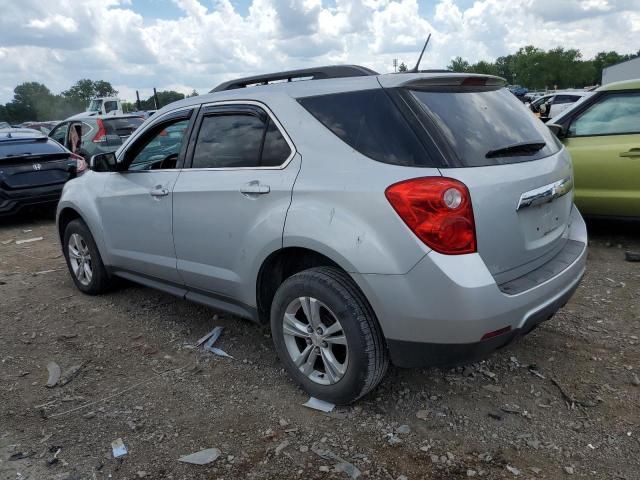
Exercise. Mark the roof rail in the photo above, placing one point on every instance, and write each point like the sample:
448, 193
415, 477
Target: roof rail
318, 73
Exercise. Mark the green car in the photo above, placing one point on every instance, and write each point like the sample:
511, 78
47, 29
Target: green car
602, 133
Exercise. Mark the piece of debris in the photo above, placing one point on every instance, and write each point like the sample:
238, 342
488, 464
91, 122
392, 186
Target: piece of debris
403, 429
492, 388
348, 468
27, 230
635, 380
495, 416
118, 448
215, 334
69, 374
54, 374
203, 457
29, 240
569, 470
211, 338
632, 256
281, 447
6, 242
569, 399
513, 470
19, 456
422, 414
317, 404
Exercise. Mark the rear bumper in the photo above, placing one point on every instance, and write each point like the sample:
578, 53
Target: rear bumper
438, 313
14, 201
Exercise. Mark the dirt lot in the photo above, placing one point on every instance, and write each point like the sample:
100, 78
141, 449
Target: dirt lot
562, 403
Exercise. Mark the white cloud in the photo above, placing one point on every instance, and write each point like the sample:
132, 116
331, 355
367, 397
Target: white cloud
57, 43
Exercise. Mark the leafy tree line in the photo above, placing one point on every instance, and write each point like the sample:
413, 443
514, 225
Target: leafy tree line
537, 69
33, 101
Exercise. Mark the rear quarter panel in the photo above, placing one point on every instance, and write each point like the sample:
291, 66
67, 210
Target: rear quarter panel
339, 207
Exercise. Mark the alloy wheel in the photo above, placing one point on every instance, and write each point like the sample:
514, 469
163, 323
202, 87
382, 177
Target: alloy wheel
80, 259
315, 340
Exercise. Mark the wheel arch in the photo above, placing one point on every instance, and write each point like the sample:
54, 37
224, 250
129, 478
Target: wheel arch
282, 264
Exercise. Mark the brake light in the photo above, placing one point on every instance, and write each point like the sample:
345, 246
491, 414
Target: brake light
438, 211
81, 164
101, 133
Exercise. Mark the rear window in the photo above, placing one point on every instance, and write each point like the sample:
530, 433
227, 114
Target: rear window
369, 122
28, 147
488, 127
122, 126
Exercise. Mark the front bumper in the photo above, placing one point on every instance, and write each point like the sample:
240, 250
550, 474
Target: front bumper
438, 313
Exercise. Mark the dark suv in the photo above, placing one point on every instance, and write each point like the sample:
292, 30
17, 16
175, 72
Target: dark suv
33, 169
93, 134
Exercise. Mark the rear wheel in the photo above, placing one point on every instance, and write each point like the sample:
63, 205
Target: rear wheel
83, 259
327, 336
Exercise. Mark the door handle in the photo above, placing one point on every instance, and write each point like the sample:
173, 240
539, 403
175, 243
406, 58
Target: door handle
634, 152
254, 188
159, 192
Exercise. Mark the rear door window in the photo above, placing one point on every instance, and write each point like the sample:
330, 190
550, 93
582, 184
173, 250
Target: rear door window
487, 127
239, 140
369, 122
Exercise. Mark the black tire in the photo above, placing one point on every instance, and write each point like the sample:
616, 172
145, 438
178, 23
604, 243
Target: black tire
368, 358
100, 281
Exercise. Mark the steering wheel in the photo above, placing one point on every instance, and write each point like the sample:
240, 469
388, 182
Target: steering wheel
168, 162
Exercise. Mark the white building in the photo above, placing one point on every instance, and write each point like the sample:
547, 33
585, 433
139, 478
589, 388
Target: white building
629, 70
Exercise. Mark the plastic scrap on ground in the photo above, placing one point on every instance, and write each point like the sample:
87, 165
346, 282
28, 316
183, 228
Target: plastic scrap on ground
317, 404
118, 447
202, 457
211, 338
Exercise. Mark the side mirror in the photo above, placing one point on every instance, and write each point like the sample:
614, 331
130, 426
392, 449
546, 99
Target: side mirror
557, 130
104, 162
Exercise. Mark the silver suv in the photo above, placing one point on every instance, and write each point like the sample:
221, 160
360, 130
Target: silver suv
422, 219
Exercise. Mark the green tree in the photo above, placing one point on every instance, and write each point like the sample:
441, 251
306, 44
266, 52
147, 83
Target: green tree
458, 64
484, 67
165, 97
194, 93
402, 67
84, 90
31, 101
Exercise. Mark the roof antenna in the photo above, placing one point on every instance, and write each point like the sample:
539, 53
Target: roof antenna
415, 69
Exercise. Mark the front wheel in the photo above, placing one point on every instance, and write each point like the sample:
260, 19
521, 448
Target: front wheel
327, 336
83, 259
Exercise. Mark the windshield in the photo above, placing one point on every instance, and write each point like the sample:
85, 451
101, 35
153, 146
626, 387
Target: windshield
488, 127
95, 106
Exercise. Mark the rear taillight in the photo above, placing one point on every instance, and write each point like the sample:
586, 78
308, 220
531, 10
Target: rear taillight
81, 164
438, 211
101, 133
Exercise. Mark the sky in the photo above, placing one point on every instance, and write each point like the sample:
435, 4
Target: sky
195, 44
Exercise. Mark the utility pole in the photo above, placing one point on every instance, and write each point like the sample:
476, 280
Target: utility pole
155, 98
138, 100
395, 64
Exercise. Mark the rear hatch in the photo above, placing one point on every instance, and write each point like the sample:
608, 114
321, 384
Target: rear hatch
34, 162
518, 174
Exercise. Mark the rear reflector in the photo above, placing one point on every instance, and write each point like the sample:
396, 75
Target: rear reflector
438, 211
496, 333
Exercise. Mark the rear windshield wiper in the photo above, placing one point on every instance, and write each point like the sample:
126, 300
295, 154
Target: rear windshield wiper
517, 149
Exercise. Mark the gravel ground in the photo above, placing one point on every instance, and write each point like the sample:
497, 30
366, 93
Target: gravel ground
563, 402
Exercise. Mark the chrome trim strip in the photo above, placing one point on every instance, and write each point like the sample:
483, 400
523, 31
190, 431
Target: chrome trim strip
545, 194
